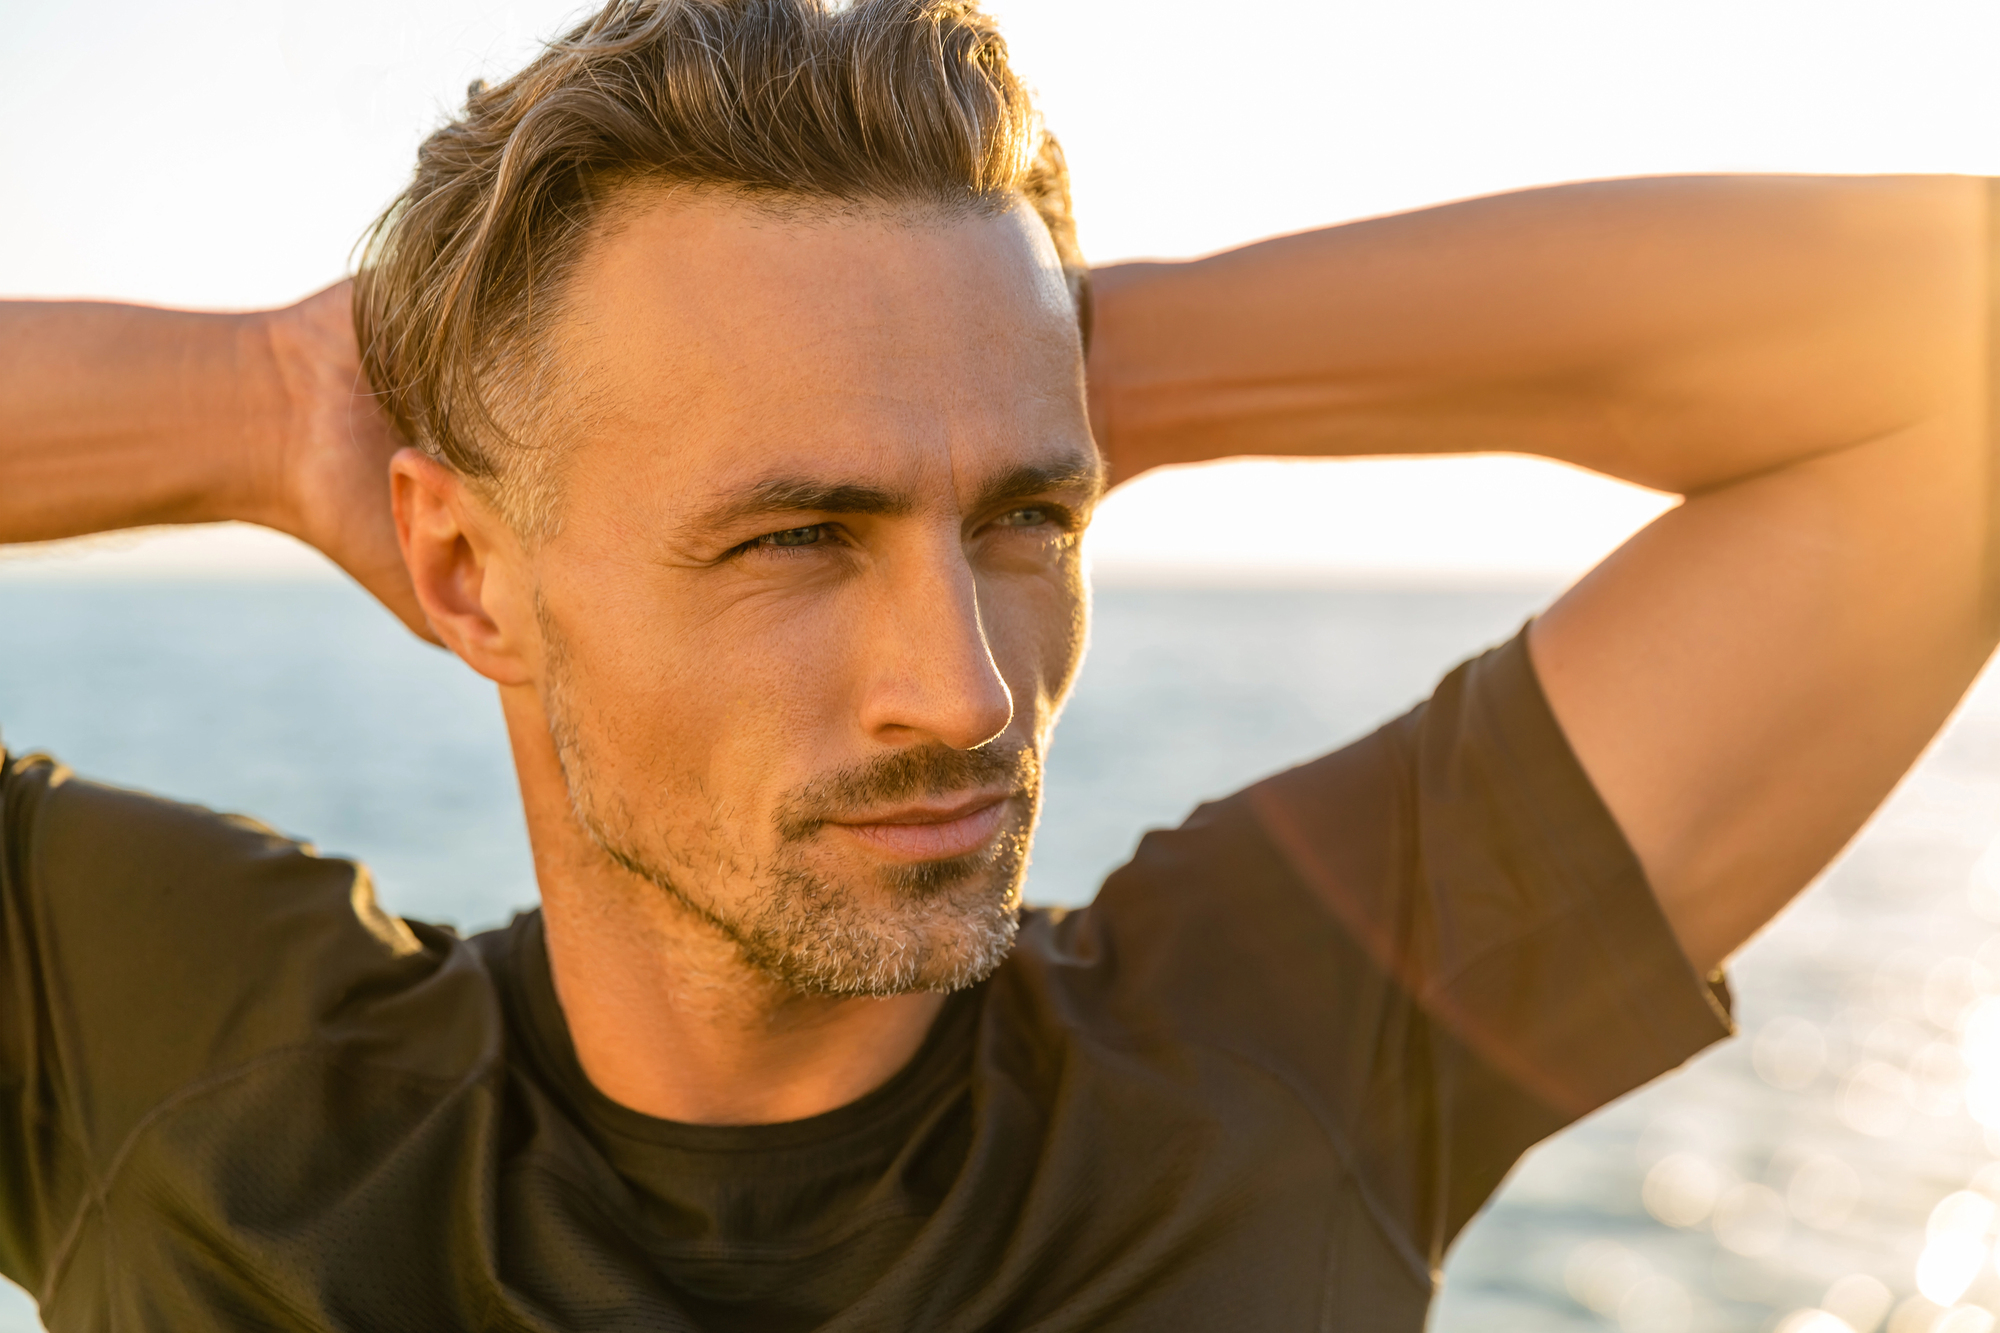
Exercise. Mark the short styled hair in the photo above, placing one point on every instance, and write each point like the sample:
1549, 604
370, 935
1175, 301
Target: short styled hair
891, 102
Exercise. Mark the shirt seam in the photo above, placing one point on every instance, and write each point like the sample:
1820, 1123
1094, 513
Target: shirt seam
1379, 1213
99, 1198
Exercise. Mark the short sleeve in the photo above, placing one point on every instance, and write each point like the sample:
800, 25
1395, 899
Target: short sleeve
1438, 935
1488, 883
147, 950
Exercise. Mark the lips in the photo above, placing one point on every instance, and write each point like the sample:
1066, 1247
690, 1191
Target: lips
919, 833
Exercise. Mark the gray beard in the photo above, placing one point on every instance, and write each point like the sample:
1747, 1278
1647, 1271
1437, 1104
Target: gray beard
947, 931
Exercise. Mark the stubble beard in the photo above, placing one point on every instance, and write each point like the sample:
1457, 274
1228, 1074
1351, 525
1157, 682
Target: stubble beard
929, 926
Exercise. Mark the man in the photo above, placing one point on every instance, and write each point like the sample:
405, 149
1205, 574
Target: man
739, 347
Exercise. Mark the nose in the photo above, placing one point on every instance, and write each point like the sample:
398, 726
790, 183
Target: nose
928, 669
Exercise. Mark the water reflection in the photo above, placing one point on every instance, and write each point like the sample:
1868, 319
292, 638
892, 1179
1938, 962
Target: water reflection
1612, 1280
1823, 1192
1681, 1189
1857, 1301
1790, 1053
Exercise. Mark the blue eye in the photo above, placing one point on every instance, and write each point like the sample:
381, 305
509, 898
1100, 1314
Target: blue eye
1028, 516
794, 536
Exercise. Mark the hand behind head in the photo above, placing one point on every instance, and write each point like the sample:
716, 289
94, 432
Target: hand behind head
332, 475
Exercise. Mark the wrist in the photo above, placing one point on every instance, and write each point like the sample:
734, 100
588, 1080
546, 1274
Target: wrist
124, 416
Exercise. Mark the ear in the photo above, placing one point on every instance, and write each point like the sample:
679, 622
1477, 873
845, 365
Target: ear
469, 569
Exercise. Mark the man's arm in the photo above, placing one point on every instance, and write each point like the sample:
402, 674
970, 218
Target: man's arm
1801, 359
116, 416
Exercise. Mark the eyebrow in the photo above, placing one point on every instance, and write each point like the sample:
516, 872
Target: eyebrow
793, 495
1073, 473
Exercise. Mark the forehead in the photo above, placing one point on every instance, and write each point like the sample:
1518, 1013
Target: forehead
711, 340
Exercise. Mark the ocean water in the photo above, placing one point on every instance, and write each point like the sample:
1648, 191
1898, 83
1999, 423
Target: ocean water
1834, 1155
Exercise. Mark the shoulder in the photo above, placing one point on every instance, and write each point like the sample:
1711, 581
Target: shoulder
62, 829
166, 943
133, 869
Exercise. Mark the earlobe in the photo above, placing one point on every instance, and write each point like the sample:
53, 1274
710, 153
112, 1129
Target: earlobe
464, 562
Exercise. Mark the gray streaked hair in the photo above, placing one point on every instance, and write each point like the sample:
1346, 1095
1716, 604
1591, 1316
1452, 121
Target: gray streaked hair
898, 102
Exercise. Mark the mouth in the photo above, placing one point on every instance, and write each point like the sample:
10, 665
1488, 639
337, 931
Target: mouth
930, 831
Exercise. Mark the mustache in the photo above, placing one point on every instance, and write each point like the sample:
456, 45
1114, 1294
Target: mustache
920, 771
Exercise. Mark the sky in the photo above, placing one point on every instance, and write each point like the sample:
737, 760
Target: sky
222, 153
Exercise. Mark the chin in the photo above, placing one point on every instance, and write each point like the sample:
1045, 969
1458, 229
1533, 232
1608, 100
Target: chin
923, 926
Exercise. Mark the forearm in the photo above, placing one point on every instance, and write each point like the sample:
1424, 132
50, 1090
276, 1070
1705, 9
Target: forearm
1681, 332
117, 416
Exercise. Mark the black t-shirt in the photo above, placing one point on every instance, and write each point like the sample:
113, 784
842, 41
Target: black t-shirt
1258, 1084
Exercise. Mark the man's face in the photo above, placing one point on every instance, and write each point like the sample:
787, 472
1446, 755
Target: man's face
815, 596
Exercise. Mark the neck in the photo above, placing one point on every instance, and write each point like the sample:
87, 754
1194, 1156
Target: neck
666, 1017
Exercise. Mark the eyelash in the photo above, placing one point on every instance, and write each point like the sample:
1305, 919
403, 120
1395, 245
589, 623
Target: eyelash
770, 540
1053, 515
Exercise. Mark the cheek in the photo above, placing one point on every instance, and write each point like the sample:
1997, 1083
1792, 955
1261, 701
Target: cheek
1037, 628
682, 703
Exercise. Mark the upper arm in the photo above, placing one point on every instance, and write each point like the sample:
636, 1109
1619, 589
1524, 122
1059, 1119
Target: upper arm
1676, 332
1747, 678
1802, 359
